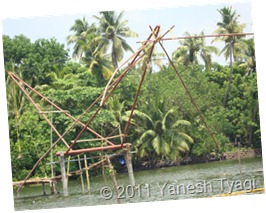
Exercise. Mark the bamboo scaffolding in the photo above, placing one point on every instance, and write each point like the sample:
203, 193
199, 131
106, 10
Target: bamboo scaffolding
76, 121
112, 87
38, 108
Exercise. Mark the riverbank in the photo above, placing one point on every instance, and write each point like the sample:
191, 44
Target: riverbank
234, 155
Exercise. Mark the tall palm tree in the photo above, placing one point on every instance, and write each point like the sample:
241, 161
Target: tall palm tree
206, 53
247, 56
82, 30
156, 59
191, 49
118, 110
229, 24
16, 103
188, 51
162, 135
99, 64
85, 49
112, 32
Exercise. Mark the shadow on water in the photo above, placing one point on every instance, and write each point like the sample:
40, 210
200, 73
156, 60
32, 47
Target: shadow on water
171, 183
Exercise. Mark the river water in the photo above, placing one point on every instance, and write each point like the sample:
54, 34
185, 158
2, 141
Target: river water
171, 183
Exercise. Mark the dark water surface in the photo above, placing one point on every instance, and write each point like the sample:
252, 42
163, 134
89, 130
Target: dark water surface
172, 183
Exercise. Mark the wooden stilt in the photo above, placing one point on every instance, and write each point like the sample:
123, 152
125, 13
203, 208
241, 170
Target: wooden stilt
68, 166
43, 189
63, 174
103, 169
56, 187
112, 173
104, 176
81, 176
128, 159
87, 173
52, 187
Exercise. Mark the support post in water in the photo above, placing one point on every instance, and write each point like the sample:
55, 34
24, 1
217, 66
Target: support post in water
53, 187
43, 189
112, 173
87, 173
81, 175
63, 174
128, 159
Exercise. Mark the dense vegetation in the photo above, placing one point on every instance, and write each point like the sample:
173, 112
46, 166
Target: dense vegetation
165, 124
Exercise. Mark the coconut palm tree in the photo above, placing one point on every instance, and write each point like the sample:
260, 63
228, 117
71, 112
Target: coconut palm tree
156, 59
58, 77
188, 51
206, 53
228, 25
162, 135
99, 64
191, 49
118, 110
95, 59
82, 30
247, 56
16, 104
112, 31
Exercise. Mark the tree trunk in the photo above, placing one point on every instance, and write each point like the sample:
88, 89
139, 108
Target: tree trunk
114, 60
231, 75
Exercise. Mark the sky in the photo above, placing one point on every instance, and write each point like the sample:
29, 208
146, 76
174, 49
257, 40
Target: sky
192, 19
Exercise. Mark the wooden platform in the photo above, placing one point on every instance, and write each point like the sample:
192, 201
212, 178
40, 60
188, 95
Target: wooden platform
51, 181
34, 181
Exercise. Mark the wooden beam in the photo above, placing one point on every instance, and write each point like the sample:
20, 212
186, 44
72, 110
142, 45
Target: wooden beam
97, 139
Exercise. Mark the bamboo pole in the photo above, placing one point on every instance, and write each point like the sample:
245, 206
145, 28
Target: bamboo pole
103, 169
203, 36
103, 174
112, 174
87, 173
81, 177
68, 166
98, 139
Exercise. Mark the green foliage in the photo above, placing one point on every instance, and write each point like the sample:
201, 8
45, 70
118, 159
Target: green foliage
162, 135
34, 59
16, 49
112, 32
34, 140
191, 48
